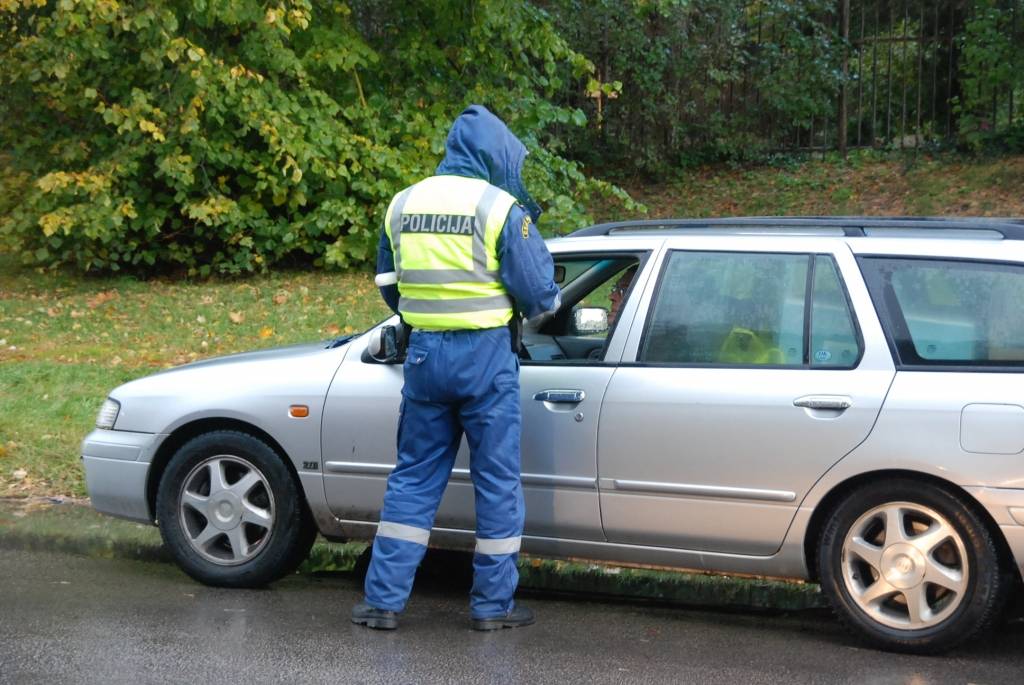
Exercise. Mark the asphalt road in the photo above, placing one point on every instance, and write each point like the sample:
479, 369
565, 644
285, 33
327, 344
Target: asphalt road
70, 619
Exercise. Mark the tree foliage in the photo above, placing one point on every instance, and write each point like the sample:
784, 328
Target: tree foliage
224, 136
699, 76
992, 74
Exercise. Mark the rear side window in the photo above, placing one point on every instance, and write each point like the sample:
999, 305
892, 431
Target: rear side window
950, 312
834, 341
750, 309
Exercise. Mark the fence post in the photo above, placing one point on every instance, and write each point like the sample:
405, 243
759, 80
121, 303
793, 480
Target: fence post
844, 12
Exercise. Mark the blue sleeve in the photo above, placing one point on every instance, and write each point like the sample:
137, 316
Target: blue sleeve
527, 270
385, 265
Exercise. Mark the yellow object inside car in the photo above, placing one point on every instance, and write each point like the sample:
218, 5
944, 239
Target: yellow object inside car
744, 346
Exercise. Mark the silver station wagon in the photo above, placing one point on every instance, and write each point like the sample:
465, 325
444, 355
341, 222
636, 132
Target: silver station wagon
834, 399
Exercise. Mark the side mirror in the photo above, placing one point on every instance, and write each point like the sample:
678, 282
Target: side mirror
383, 346
559, 274
589, 321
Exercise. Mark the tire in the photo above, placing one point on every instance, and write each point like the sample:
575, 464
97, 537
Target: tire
909, 566
231, 513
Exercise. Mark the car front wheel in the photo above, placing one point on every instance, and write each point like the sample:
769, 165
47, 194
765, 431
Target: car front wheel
231, 513
909, 566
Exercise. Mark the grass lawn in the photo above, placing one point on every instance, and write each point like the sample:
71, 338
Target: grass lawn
67, 340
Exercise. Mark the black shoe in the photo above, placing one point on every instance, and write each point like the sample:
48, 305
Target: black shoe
517, 618
365, 615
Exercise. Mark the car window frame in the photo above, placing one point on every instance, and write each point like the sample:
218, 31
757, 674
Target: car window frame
892, 318
808, 313
643, 257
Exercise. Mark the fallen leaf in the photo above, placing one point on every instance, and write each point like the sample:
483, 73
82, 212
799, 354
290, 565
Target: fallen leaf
77, 314
19, 474
332, 329
53, 311
100, 298
206, 299
201, 319
280, 298
236, 317
266, 332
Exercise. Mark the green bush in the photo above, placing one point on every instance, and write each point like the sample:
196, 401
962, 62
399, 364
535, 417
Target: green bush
224, 136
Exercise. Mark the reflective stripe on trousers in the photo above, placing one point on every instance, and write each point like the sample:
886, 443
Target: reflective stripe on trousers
499, 546
400, 531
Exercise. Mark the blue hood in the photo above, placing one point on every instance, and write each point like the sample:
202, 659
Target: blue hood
479, 145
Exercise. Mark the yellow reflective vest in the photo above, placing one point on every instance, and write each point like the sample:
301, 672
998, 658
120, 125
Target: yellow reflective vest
444, 235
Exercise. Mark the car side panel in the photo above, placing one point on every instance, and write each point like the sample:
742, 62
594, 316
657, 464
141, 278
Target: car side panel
718, 459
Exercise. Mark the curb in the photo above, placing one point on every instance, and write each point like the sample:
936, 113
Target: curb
55, 525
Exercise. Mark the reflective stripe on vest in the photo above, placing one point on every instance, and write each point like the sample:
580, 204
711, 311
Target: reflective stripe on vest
444, 232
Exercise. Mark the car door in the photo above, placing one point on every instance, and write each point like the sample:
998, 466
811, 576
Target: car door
559, 452
759, 364
560, 398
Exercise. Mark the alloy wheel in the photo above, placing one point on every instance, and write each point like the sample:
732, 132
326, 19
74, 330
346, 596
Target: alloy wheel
226, 509
905, 566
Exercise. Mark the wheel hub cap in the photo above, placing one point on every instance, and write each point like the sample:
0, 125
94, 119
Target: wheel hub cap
903, 566
225, 510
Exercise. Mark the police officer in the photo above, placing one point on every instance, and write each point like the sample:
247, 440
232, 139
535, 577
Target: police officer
463, 249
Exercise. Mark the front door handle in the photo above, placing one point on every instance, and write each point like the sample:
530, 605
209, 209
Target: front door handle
560, 396
836, 402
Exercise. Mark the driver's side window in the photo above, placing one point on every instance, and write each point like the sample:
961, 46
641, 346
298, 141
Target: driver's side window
594, 289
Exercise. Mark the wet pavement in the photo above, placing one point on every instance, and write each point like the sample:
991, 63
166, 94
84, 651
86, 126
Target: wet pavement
66, 618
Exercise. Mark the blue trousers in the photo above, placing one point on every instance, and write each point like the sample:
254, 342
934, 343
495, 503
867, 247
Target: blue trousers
455, 382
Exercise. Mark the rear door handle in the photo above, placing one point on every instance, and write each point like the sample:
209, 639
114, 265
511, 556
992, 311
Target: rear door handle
836, 402
560, 396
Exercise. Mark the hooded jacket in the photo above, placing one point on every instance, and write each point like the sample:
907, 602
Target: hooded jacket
479, 145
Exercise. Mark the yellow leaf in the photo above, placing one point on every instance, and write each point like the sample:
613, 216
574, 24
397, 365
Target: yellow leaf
266, 332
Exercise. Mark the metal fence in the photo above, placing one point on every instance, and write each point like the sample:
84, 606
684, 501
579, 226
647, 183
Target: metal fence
725, 77
902, 76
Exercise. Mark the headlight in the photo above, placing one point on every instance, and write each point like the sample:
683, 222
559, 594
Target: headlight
108, 414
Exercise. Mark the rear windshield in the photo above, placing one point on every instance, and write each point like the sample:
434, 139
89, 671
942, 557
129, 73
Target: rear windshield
950, 312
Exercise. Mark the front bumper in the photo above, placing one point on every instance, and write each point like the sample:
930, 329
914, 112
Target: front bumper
1006, 506
116, 468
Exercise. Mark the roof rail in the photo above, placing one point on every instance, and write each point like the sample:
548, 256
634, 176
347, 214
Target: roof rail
851, 226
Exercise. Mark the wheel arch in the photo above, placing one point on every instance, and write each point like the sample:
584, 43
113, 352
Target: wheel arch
828, 503
182, 434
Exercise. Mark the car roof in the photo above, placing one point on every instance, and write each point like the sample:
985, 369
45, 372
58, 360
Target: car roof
990, 239
835, 226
